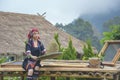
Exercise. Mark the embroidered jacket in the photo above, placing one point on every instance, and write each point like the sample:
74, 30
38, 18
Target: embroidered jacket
35, 51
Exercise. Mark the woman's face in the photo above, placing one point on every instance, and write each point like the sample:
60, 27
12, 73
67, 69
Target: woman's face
36, 35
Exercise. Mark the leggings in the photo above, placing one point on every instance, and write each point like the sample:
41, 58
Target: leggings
32, 65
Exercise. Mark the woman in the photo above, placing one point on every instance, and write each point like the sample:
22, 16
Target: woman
34, 48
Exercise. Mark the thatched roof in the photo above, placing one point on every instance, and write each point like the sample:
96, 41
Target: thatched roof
15, 26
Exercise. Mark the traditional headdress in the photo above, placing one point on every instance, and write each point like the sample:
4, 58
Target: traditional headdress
30, 34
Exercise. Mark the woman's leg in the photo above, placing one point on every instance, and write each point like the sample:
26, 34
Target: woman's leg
36, 72
30, 70
30, 74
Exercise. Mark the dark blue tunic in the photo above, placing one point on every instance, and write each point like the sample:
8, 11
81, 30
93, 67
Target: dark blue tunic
35, 51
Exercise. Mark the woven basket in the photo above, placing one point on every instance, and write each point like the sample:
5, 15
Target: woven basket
94, 62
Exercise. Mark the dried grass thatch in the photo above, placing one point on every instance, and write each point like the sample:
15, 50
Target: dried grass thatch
15, 26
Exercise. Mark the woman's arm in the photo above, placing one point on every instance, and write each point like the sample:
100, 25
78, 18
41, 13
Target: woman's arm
43, 50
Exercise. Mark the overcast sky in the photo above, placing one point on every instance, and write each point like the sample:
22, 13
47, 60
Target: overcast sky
61, 11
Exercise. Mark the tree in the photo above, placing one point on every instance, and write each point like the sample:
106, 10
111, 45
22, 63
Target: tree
88, 52
69, 52
113, 34
111, 22
56, 37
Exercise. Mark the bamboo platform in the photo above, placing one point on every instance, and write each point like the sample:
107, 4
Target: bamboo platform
65, 68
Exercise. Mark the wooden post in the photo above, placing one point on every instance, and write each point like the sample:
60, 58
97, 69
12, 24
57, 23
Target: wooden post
1, 75
22, 77
116, 76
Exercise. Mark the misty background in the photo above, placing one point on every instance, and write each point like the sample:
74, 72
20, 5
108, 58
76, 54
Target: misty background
84, 19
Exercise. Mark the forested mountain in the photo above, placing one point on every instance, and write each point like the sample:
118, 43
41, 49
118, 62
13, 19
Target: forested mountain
82, 30
91, 26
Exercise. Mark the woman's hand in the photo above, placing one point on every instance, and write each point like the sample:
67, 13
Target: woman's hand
33, 57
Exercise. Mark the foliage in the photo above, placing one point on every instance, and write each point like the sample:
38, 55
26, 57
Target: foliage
111, 22
114, 34
68, 53
11, 78
88, 52
2, 60
56, 37
59, 25
60, 78
44, 78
